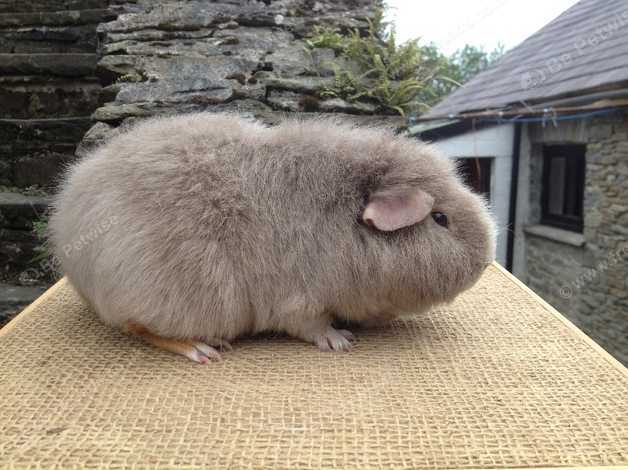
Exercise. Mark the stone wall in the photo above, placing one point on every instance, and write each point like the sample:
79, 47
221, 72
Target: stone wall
48, 88
164, 57
585, 276
48, 91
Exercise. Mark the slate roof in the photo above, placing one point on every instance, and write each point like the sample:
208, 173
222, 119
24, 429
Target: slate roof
584, 48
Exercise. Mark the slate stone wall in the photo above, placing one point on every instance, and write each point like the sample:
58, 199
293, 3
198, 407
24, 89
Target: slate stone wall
165, 57
588, 283
48, 91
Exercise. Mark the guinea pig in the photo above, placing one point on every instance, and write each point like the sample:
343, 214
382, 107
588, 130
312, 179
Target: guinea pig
193, 230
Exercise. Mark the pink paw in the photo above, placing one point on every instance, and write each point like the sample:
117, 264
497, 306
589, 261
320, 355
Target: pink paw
334, 340
202, 353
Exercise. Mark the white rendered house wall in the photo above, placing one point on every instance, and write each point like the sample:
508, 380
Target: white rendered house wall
496, 143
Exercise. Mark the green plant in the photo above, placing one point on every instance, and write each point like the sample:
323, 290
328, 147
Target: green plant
327, 38
44, 265
40, 228
385, 73
399, 78
378, 53
133, 76
346, 86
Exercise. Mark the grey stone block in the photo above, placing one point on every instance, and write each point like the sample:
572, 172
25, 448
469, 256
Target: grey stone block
33, 97
55, 18
17, 211
49, 39
43, 131
42, 169
64, 65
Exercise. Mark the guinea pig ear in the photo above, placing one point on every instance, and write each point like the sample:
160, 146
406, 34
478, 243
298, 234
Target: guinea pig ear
391, 209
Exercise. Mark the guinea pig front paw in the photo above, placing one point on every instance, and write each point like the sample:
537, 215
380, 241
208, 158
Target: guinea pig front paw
334, 340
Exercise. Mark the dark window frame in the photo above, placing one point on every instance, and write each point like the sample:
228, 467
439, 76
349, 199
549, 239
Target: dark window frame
575, 169
481, 169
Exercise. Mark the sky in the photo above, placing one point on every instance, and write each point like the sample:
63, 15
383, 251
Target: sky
453, 23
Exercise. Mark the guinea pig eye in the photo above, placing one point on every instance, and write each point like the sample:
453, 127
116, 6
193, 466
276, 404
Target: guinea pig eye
440, 219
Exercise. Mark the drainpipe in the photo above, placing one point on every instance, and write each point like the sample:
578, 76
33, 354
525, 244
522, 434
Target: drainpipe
514, 183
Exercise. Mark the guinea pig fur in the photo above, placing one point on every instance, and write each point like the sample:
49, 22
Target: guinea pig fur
206, 227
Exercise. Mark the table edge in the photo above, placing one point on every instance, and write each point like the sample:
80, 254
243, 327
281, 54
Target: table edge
568, 323
38, 301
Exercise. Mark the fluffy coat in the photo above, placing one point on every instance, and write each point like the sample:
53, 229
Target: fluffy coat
215, 227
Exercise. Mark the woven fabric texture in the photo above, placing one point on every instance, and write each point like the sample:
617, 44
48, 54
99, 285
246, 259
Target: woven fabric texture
494, 380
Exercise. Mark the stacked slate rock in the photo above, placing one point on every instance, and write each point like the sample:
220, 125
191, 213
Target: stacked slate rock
166, 57
48, 91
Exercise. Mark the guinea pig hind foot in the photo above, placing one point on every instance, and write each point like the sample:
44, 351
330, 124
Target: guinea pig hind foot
197, 351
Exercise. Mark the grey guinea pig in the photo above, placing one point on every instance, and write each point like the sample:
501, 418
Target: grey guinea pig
194, 230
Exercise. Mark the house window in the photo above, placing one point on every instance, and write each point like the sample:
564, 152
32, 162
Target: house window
476, 173
563, 186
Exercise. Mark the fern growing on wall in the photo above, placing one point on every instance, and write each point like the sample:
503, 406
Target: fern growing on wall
378, 69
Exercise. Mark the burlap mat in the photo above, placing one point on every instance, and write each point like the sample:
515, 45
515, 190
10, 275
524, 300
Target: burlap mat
495, 380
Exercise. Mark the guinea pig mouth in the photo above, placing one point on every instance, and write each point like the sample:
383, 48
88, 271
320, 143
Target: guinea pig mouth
482, 267
475, 275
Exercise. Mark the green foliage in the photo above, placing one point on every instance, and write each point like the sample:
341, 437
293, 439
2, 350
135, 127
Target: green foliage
387, 74
133, 76
327, 38
346, 86
384, 57
40, 228
470, 60
453, 71
399, 78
